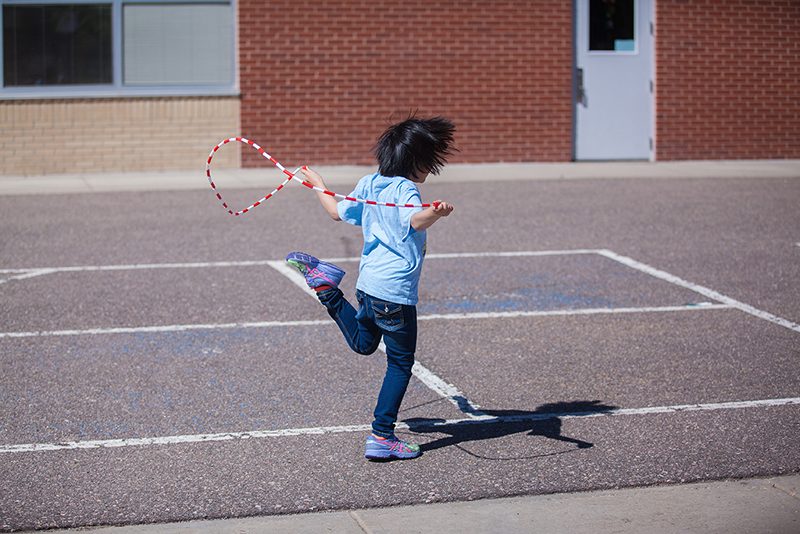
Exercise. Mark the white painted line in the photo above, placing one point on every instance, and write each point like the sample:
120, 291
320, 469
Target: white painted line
445, 390
170, 440
165, 328
32, 274
252, 263
139, 266
23, 274
558, 313
294, 277
431, 317
256, 434
710, 293
27, 274
514, 254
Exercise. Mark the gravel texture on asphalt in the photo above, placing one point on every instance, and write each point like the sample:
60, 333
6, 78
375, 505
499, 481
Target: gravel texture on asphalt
735, 236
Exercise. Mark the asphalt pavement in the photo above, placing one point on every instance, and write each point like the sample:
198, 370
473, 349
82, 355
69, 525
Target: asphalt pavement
576, 335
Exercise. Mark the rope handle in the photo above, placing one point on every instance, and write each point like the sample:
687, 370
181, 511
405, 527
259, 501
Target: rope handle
289, 176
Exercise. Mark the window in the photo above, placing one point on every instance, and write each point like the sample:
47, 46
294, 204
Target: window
176, 44
611, 26
117, 48
56, 45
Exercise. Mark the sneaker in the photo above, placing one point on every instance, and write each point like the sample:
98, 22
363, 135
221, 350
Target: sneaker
384, 449
317, 273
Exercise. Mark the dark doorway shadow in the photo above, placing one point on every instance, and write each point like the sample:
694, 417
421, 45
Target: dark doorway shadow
544, 421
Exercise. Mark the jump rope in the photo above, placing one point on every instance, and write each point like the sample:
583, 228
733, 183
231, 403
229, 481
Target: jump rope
289, 176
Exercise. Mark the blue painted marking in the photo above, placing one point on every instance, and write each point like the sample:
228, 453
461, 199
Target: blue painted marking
196, 344
523, 299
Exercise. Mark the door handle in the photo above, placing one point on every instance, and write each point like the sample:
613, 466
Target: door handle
580, 92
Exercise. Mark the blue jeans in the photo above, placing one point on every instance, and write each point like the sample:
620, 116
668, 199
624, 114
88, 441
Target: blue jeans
363, 329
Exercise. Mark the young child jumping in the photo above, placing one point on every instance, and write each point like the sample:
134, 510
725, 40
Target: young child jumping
391, 263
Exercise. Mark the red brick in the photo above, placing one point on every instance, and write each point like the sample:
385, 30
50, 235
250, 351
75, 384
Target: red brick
501, 70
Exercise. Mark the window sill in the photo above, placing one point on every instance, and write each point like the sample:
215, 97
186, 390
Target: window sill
93, 91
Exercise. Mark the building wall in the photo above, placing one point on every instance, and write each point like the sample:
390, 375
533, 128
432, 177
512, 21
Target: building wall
72, 136
321, 80
728, 79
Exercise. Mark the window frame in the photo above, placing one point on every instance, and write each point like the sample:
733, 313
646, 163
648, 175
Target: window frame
117, 88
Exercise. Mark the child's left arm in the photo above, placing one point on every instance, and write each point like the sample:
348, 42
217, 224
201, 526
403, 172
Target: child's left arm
422, 220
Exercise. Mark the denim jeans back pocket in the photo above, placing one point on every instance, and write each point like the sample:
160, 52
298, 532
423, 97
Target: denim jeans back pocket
388, 315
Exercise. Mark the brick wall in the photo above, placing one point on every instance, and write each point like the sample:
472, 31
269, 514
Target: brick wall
321, 80
728, 79
76, 136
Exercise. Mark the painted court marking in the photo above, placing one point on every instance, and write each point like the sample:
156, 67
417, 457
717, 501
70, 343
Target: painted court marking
437, 384
444, 389
697, 288
25, 274
164, 328
260, 434
319, 322
31, 272
135, 266
22, 274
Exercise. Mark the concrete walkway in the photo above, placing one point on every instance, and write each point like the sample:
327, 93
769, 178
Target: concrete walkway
764, 505
342, 175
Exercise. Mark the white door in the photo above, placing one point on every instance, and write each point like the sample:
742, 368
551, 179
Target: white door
614, 73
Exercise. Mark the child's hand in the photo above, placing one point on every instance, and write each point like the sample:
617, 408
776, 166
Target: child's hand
312, 177
442, 209
422, 220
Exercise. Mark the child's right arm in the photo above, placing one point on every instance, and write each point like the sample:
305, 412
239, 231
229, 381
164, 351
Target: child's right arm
328, 202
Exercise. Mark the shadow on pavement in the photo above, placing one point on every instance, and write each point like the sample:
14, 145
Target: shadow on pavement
544, 421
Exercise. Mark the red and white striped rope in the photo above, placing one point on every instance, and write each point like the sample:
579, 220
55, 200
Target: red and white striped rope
289, 176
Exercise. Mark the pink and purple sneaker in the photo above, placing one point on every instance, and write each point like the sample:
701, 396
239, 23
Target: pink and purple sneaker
317, 273
387, 448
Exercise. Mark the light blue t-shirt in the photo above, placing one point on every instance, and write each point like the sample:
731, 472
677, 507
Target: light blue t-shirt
391, 260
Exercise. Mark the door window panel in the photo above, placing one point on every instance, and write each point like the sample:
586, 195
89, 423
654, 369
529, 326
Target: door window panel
611, 26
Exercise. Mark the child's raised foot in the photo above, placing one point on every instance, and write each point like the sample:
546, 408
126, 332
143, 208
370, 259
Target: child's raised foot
388, 448
317, 273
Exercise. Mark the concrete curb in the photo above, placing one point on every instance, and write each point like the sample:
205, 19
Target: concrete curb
347, 175
765, 505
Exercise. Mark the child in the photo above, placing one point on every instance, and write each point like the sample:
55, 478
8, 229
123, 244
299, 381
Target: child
391, 262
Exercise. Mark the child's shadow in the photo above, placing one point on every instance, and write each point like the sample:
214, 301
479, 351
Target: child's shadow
544, 421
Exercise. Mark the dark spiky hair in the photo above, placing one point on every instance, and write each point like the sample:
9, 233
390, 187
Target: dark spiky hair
415, 146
